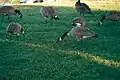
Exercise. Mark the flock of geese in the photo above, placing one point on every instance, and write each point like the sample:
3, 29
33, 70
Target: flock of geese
79, 31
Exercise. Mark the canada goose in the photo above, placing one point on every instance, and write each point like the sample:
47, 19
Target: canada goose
9, 10
78, 20
78, 32
112, 15
82, 8
49, 12
14, 28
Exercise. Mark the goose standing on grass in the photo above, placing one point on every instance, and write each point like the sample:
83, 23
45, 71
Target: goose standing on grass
78, 20
9, 10
78, 32
82, 8
49, 12
14, 28
112, 15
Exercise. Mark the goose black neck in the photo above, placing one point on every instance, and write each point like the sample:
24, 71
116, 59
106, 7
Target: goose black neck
102, 18
63, 36
78, 1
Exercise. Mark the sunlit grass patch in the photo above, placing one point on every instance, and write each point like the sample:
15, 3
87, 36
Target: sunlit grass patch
100, 60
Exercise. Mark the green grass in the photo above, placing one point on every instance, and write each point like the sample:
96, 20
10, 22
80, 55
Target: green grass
36, 56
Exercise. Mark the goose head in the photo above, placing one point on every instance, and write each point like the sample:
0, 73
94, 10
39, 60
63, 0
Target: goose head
59, 39
76, 24
56, 17
100, 23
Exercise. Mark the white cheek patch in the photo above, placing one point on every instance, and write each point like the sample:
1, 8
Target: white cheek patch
60, 39
78, 25
18, 34
23, 32
100, 23
68, 34
56, 16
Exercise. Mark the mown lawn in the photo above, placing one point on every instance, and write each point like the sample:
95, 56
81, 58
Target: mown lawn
36, 56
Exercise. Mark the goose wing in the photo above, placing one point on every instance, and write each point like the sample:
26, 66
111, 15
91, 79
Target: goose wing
113, 15
81, 31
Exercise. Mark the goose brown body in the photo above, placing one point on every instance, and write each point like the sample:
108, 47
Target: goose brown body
82, 7
112, 15
14, 28
79, 33
9, 10
49, 12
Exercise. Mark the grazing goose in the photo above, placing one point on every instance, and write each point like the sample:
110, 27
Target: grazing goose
78, 20
49, 12
14, 28
9, 10
78, 32
82, 8
112, 15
